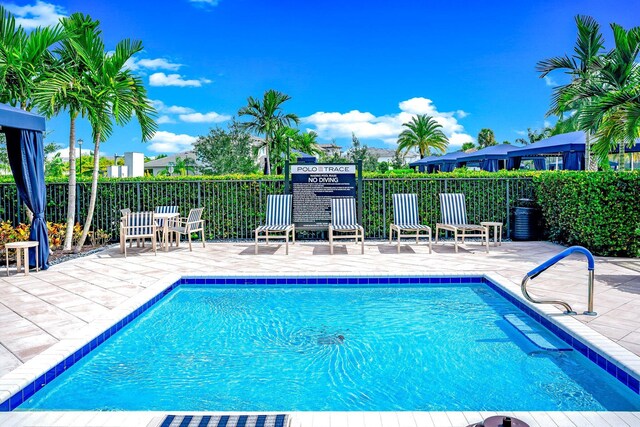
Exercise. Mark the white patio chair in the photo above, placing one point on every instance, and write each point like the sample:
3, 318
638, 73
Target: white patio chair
139, 226
343, 220
185, 226
164, 209
278, 221
406, 219
453, 212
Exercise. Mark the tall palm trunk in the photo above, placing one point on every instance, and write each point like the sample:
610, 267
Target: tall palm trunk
94, 193
267, 160
71, 202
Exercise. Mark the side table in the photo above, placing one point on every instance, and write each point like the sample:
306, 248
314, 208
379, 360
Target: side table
24, 247
497, 231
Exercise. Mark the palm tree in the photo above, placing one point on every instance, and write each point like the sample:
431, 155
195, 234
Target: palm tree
115, 94
23, 57
613, 112
535, 136
486, 138
422, 132
265, 118
307, 143
583, 67
63, 88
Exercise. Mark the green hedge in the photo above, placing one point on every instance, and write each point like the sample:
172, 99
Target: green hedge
597, 210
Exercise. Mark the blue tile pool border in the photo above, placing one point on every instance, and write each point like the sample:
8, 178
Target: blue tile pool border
619, 373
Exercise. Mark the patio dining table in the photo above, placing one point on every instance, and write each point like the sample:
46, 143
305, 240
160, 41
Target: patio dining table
166, 216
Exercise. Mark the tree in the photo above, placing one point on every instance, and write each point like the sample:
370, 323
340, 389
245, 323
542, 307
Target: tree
534, 136
424, 133
486, 138
383, 167
358, 151
398, 160
225, 151
582, 67
265, 117
23, 58
467, 146
64, 87
117, 95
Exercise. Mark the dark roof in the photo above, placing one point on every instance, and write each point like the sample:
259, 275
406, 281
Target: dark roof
422, 161
13, 117
447, 158
572, 141
493, 152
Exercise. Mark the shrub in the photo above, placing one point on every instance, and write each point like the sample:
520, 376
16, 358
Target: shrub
597, 210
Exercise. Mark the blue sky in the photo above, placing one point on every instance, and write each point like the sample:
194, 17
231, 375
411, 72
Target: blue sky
350, 66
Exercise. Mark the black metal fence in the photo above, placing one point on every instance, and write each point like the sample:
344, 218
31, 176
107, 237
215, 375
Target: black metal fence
234, 208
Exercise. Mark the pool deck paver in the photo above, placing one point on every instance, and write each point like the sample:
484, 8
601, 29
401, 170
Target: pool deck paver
50, 307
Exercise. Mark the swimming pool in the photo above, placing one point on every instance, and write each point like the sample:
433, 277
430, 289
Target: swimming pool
332, 344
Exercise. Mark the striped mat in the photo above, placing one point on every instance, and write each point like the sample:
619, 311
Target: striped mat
280, 420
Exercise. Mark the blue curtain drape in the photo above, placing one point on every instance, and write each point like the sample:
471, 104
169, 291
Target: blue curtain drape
489, 165
26, 157
448, 167
572, 160
513, 163
540, 163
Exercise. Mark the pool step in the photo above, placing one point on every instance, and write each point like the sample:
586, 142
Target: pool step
536, 333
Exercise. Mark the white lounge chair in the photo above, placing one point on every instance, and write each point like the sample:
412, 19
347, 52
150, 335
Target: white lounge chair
406, 219
343, 220
453, 210
187, 225
139, 226
278, 221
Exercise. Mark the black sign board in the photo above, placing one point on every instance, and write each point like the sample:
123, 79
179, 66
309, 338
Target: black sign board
314, 185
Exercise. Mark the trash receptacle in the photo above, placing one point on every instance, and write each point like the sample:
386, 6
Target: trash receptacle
525, 221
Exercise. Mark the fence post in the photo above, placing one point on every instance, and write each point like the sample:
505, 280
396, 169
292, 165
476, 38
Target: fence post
138, 191
199, 194
384, 209
508, 208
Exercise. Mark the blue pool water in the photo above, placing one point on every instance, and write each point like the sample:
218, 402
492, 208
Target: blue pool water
435, 347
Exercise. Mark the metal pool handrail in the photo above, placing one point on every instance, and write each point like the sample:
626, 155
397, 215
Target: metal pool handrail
552, 261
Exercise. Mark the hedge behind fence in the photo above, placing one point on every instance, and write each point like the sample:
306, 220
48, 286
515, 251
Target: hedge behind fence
234, 208
597, 210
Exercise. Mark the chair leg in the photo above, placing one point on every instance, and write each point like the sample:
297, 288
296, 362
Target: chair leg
190, 249
154, 244
256, 244
455, 240
437, 232
430, 249
286, 242
362, 237
293, 235
398, 246
202, 233
330, 240
390, 234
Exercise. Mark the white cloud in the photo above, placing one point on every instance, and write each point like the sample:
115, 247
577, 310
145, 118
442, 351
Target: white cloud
521, 132
164, 119
365, 125
211, 117
39, 15
549, 81
162, 79
161, 107
168, 142
205, 2
461, 114
134, 63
